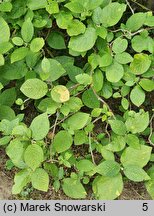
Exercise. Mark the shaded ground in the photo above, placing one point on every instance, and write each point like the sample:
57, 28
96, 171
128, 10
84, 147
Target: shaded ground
5, 178
132, 191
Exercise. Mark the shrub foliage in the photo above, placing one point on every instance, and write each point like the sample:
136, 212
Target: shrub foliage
76, 81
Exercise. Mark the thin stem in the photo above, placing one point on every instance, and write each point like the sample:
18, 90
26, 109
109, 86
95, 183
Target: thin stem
55, 124
151, 131
47, 35
28, 99
142, 6
141, 30
49, 52
104, 102
106, 131
130, 6
91, 152
97, 119
74, 86
52, 160
53, 133
128, 32
62, 120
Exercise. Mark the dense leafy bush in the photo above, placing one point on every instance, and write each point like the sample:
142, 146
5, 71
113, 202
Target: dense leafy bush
76, 79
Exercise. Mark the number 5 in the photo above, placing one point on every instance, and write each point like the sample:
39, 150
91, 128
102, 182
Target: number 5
145, 207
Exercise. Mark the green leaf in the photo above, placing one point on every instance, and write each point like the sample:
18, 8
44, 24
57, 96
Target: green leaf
37, 44
125, 103
73, 188
75, 28
62, 141
40, 4
15, 151
114, 72
97, 80
137, 96
119, 45
74, 104
34, 88
101, 32
84, 79
6, 113
147, 85
140, 43
106, 154
40, 127
112, 13
118, 127
90, 100
27, 30
107, 188
92, 4
65, 110
48, 105
63, 19
5, 140
83, 42
56, 40
18, 41
1, 86
56, 70
140, 64
133, 141
149, 21
15, 12
8, 97
96, 112
77, 121
7, 126
45, 65
33, 156
96, 17
93, 60
75, 6
60, 94
5, 47
137, 123
118, 144
52, 7
106, 90
108, 168
123, 58
80, 137
52, 169
4, 31
125, 90
14, 71
2, 60
40, 179
19, 54
105, 60
136, 21
139, 157
31, 60
21, 131
73, 71
79, 6
135, 173
85, 165
21, 179
5, 6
